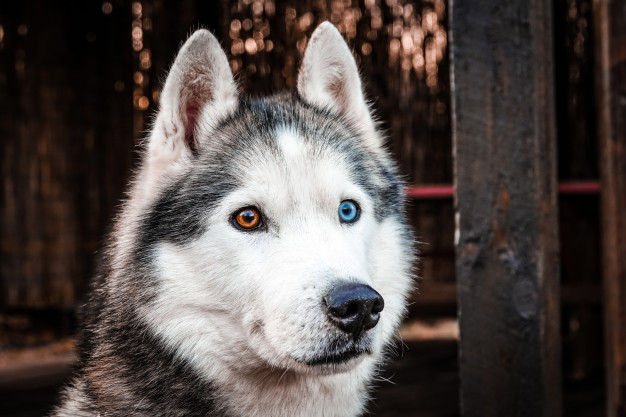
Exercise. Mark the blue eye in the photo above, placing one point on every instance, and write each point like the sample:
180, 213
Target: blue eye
348, 211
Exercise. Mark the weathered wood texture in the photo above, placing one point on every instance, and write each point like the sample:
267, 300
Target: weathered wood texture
66, 143
610, 22
505, 179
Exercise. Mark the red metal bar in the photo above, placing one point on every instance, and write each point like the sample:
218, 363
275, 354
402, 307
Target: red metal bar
427, 192
579, 187
435, 192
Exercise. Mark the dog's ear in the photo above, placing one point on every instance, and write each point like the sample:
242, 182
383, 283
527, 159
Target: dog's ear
199, 86
329, 78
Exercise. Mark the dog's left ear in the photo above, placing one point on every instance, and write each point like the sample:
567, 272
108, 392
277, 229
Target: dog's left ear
329, 78
199, 92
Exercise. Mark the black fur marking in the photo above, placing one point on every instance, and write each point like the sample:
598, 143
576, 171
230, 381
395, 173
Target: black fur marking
124, 369
134, 358
180, 214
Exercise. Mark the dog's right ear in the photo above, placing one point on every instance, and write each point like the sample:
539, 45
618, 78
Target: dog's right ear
199, 92
329, 78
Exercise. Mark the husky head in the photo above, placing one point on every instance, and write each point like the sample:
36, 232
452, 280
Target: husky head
271, 233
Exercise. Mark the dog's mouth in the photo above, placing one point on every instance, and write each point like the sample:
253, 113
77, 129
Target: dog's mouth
337, 358
337, 355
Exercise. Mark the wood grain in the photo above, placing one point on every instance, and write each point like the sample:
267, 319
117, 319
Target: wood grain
611, 88
506, 200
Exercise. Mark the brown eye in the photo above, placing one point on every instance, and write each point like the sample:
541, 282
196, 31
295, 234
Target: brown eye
248, 218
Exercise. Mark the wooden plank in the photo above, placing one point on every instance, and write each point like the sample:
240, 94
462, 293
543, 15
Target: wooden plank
506, 199
610, 31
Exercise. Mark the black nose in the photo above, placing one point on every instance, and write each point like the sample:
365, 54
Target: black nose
354, 308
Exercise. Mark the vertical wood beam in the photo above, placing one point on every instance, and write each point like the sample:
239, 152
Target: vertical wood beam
610, 31
506, 201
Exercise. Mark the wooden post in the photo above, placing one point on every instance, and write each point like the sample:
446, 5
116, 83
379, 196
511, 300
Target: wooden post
610, 31
506, 202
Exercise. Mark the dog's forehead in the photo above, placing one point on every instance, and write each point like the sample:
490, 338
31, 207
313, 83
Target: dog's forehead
281, 140
293, 157
288, 140
299, 173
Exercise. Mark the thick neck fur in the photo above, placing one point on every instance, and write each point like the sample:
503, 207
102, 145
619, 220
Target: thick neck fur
274, 392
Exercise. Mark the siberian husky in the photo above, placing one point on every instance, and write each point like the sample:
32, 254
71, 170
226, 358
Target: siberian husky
262, 261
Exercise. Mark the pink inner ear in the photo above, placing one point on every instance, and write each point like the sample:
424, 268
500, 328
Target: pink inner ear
192, 115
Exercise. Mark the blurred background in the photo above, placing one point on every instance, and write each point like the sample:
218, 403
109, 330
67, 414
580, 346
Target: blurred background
80, 82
